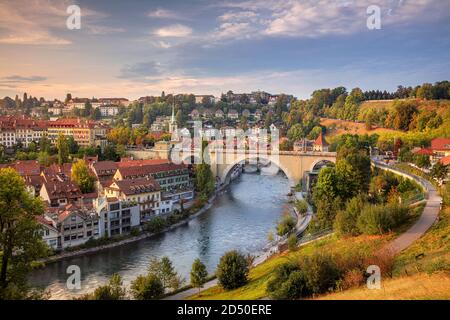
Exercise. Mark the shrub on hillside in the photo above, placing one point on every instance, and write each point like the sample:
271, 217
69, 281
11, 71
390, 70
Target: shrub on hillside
285, 225
232, 271
147, 287
374, 220
345, 222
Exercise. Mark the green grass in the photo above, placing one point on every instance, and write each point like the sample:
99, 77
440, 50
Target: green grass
429, 254
261, 275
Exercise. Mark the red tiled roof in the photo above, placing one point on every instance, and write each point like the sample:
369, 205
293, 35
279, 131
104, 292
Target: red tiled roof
320, 141
102, 166
143, 170
445, 161
57, 189
427, 152
440, 144
138, 186
28, 167
135, 163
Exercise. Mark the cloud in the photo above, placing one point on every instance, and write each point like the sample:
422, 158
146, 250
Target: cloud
173, 31
102, 30
43, 22
164, 14
142, 71
23, 79
316, 18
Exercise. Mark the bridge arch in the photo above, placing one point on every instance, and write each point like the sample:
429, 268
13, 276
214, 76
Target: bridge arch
244, 158
318, 161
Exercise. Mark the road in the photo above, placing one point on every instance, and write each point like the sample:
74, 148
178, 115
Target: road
426, 220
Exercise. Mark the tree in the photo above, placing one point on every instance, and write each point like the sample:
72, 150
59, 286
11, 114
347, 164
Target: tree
422, 160
63, 149
439, 171
72, 145
147, 287
285, 225
82, 177
232, 271
164, 271
204, 179
68, 97
292, 242
198, 274
112, 291
20, 240
345, 222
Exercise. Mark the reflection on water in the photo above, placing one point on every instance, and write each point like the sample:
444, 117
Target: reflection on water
240, 219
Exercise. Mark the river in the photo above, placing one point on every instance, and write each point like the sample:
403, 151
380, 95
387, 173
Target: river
240, 218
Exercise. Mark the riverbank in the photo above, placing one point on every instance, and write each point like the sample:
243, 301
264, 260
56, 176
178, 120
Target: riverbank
394, 242
131, 239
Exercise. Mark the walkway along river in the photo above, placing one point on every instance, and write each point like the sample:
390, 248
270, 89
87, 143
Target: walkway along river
241, 218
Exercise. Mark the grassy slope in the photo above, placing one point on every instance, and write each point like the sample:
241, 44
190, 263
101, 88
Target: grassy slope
417, 287
342, 127
421, 272
260, 275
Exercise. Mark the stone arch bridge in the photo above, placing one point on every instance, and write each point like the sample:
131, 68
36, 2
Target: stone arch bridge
294, 164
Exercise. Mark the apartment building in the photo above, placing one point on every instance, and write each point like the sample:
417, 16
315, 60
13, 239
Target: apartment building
15, 130
84, 132
109, 110
145, 192
116, 217
75, 224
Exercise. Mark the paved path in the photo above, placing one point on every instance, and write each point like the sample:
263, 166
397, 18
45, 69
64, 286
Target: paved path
426, 220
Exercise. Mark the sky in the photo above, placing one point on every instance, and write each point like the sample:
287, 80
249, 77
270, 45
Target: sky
135, 48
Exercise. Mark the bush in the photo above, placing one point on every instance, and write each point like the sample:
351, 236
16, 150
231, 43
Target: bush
374, 220
321, 273
345, 222
232, 271
155, 225
301, 206
285, 225
399, 214
147, 288
275, 288
313, 275
292, 242
112, 291
352, 279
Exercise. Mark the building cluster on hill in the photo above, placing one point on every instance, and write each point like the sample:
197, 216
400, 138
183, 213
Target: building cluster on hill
127, 194
439, 151
15, 130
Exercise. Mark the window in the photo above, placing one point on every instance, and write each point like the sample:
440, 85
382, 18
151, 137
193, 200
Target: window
66, 238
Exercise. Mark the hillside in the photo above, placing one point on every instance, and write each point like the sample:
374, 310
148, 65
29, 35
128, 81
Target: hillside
337, 127
417, 287
421, 272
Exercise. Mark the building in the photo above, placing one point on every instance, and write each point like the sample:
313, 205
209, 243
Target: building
233, 114
145, 192
49, 232
440, 148
116, 217
114, 101
320, 145
21, 130
75, 224
219, 114
84, 132
195, 114
57, 190
199, 98
109, 110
